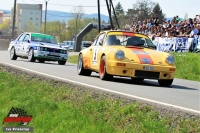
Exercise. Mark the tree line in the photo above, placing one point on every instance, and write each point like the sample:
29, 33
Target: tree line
142, 9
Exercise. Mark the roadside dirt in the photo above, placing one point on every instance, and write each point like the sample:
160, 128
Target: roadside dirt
4, 44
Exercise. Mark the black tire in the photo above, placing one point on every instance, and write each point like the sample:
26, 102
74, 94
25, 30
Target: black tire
102, 70
80, 69
31, 57
163, 82
62, 62
41, 60
137, 79
13, 55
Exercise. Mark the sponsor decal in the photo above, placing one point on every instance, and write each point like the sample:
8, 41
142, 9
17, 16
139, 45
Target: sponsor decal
143, 56
146, 60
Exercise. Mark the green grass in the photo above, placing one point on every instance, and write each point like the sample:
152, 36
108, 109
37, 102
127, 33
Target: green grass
73, 59
187, 65
59, 109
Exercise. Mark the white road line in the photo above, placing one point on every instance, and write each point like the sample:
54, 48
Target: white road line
104, 89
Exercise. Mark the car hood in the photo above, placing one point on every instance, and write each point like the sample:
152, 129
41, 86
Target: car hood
144, 55
49, 45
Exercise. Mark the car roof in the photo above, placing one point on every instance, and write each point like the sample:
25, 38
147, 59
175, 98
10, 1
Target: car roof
35, 33
107, 31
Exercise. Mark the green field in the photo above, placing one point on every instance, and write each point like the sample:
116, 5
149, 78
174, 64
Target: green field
187, 65
62, 108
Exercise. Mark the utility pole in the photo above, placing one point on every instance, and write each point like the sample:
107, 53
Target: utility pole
75, 33
99, 17
14, 18
45, 16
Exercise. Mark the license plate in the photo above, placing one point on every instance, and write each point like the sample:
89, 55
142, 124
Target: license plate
148, 68
52, 53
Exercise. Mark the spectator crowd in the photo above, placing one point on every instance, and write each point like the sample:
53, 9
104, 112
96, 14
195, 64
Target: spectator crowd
168, 28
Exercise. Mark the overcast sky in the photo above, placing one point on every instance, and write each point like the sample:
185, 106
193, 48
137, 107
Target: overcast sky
169, 7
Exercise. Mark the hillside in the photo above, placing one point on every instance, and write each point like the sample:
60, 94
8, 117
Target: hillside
64, 16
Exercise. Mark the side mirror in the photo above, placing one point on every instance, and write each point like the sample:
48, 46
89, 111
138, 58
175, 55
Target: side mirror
29, 41
101, 42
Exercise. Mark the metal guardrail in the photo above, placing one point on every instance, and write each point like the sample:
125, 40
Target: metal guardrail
5, 37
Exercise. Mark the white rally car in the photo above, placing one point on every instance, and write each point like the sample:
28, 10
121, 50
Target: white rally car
36, 46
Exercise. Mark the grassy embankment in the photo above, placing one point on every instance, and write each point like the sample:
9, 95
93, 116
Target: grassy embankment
59, 109
187, 65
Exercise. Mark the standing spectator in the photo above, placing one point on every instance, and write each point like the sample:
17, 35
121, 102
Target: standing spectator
156, 20
198, 28
194, 31
198, 18
178, 19
148, 22
169, 24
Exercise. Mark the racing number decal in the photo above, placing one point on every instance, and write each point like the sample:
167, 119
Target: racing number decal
94, 59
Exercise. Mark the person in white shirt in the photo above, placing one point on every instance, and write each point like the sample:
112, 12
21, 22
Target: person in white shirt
198, 18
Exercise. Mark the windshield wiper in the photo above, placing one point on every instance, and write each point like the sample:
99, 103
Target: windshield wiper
148, 46
135, 46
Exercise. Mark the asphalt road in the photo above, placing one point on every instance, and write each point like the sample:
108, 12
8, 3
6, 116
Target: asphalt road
183, 94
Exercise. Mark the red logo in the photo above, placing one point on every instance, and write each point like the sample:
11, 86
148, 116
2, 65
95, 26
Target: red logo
18, 115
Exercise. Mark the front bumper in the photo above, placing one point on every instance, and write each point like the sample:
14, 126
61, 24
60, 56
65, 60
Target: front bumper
50, 55
127, 69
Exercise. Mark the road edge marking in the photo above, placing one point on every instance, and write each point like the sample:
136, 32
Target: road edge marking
104, 89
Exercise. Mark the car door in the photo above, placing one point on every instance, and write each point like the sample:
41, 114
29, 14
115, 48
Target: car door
24, 45
19, 45
95, 50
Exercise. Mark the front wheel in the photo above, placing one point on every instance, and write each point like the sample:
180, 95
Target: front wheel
80, 69
102, 70
13, 55
31, 57
61, 62
167, 82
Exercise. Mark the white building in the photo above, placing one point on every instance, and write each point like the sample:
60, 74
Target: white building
28, 14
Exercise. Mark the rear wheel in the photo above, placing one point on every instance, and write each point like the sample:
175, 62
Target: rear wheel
62, 62
31, 57
80, 68
102, 70
167, 82
13, 55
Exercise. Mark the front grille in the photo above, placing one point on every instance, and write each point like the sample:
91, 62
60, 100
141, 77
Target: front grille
147, 74
53, 55
53, 50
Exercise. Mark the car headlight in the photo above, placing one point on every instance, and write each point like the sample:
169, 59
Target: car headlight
170, 59
119, 55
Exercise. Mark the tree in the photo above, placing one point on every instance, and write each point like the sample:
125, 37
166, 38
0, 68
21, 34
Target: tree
5, 26
143, 9
30, 27
56, 29
158, 11
119, 11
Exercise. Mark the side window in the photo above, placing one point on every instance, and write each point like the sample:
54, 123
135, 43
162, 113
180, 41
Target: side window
22, 37
19, 37
26, 38
95, 41
100, 38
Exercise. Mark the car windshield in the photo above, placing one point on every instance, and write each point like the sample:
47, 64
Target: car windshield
129, 40
43, 38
